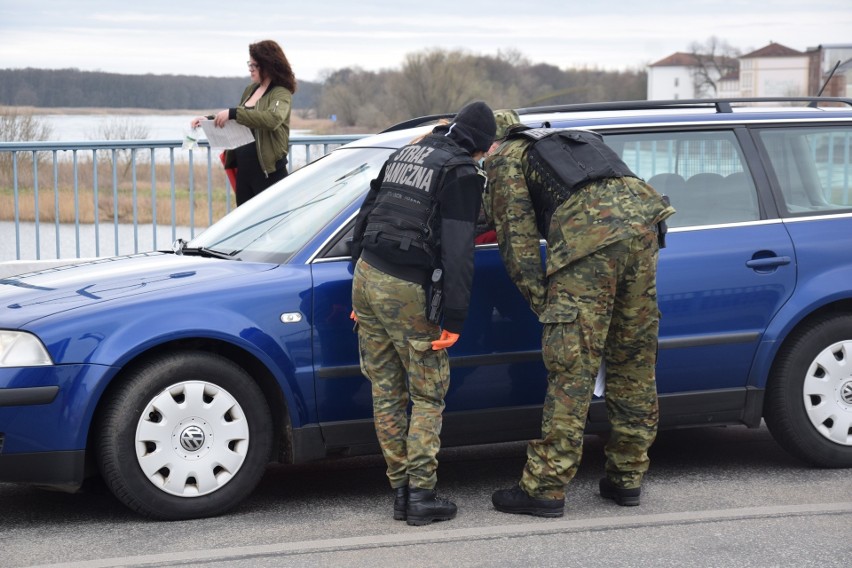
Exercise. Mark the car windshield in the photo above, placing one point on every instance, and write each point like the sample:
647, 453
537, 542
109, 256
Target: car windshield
276, 224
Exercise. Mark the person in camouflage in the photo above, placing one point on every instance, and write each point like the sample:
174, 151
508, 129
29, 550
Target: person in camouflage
596, 297
419, 216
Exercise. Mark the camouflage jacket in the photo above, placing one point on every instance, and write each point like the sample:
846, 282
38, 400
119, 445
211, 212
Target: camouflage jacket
596, 216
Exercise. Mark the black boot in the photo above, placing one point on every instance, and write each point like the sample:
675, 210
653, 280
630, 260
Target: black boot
400, 502
623, 496
424, 507
516, 500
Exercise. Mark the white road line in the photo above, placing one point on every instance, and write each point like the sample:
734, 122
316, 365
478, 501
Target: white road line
414, 536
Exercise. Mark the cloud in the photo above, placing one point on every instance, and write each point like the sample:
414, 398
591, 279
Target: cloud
212, 39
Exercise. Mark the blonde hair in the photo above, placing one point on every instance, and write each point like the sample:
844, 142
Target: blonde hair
417, 139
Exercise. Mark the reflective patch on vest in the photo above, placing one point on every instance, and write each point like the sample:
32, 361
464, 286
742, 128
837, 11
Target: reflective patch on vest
408, 168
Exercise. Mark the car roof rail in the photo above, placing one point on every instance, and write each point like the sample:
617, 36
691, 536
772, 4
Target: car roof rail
721, 105
419, 121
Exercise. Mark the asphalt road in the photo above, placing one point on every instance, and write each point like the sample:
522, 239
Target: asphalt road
714, 497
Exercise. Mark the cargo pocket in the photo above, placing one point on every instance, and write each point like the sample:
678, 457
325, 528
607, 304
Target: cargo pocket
428, 371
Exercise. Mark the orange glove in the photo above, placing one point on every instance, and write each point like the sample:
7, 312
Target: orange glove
353, 317
447, 339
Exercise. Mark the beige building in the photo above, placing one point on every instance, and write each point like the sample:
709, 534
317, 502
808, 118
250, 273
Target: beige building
774, 71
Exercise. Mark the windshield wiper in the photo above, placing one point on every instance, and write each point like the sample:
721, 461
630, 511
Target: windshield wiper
179, 247
204, 251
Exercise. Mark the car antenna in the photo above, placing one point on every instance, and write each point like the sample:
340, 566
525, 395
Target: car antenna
814, 104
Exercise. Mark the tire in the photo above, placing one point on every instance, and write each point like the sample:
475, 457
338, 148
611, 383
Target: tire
809, 396
186, 435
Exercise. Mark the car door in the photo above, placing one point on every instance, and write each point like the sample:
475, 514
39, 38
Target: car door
497, 377
729, 264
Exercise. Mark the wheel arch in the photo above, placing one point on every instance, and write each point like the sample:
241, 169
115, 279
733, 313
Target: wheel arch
778, 335
282, 424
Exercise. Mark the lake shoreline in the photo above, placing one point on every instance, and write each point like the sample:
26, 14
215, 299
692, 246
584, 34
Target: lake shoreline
312, 125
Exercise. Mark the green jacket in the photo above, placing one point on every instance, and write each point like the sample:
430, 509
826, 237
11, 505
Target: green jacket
269, 121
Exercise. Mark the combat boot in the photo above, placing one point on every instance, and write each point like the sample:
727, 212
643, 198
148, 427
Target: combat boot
400, 502
516, 500
621, 495
424, 507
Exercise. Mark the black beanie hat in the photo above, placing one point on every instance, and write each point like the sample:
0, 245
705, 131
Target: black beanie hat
474, 127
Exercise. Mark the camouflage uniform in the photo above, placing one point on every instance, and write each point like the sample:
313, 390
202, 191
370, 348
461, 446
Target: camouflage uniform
395, 342
596, 297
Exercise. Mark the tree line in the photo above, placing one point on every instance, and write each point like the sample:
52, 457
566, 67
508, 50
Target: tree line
438, 81
52, 88
432, 81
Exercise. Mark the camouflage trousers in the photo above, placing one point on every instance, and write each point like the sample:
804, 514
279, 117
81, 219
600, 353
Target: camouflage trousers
395, 344
613, 295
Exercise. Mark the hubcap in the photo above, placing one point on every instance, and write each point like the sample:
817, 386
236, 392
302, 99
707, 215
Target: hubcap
192, 439
827, 393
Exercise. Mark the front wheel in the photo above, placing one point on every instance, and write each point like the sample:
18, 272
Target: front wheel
186, 435
809, 396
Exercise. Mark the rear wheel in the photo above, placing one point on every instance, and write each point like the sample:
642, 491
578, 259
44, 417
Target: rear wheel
809, 396
187, 435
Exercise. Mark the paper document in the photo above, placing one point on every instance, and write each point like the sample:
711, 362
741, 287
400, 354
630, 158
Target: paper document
600, 380
232, 135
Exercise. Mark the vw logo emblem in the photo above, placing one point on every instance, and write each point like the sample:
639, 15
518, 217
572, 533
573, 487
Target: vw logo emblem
192, 438
846, 392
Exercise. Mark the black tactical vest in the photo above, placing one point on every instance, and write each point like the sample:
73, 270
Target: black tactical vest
404, 211
564, 162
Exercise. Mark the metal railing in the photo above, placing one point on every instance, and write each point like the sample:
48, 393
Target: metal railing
65, 192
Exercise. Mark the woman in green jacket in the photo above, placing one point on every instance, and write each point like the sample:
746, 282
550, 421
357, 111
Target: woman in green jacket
265, 109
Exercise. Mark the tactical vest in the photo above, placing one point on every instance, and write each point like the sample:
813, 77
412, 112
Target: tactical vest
564, 162
406, 204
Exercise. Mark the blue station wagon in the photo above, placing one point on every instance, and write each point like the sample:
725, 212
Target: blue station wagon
179, 375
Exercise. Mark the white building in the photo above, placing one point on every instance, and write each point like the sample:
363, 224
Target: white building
672, 77
772, 71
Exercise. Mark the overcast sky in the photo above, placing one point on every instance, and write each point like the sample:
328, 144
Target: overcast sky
186, 37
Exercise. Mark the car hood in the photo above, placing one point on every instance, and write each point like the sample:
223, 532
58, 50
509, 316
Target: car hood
27, 297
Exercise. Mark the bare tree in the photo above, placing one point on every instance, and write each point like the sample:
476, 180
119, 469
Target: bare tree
18, 126
714, 59
121, 128
348, 93
438, 81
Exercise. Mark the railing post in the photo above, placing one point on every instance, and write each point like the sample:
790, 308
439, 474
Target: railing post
301, 152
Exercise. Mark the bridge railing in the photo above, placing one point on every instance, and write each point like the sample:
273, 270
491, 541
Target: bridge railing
101, 198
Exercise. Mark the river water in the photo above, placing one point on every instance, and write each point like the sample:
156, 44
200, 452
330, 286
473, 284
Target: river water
87, 241
86, 127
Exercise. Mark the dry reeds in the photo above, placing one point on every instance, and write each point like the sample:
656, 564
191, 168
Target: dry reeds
69, 192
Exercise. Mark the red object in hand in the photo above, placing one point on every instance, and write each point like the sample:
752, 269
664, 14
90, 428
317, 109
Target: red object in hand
447, 339
230, 172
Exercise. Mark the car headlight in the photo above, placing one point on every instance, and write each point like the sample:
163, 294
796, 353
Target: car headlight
22, 349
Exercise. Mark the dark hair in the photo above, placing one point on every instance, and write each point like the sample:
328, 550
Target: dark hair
272, 63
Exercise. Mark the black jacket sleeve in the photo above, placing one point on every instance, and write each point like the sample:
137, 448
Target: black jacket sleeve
459, 202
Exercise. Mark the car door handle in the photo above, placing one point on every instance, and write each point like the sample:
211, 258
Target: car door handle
770, 262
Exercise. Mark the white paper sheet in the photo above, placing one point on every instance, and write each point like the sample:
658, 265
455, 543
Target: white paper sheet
600, 380
232, 135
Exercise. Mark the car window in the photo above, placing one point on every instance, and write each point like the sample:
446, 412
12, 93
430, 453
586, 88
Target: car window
277, 223
703, 173
812, 167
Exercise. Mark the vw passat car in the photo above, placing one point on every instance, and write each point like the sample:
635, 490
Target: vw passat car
179, 375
